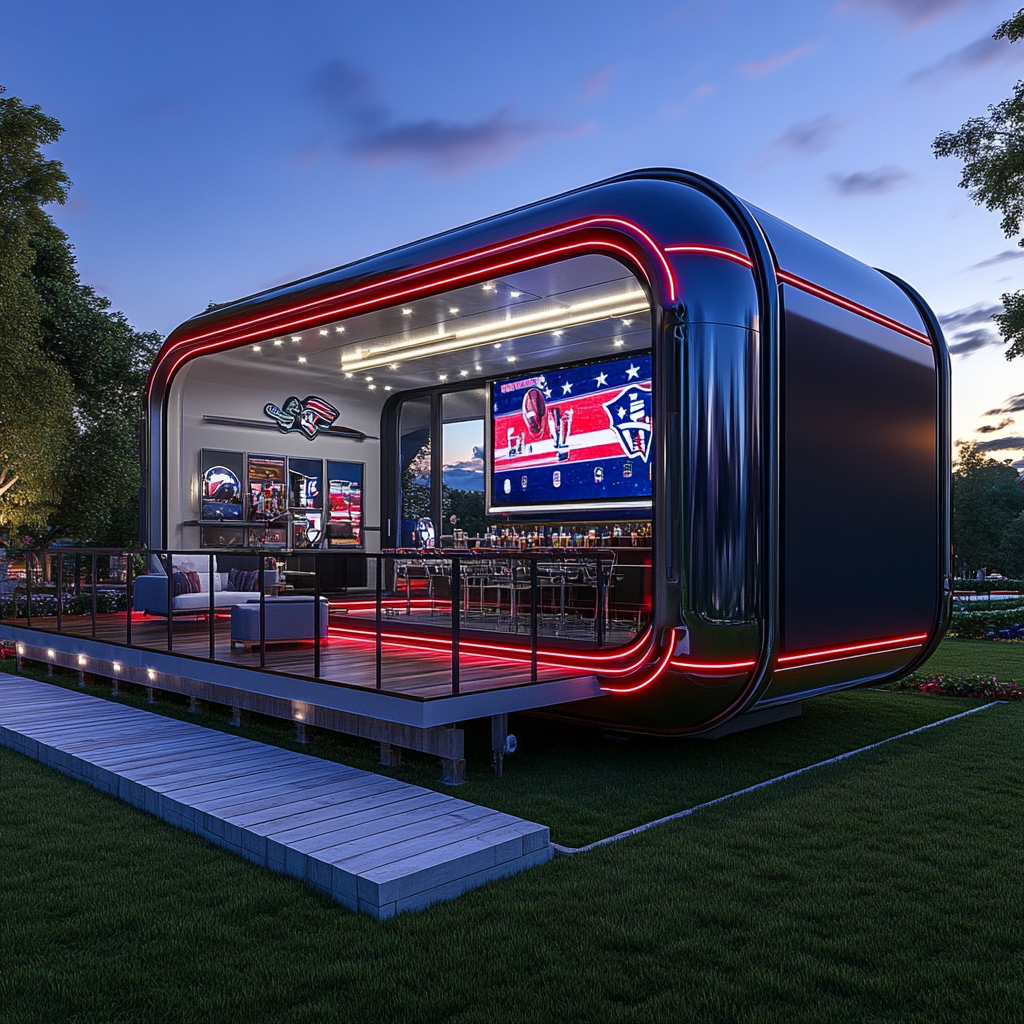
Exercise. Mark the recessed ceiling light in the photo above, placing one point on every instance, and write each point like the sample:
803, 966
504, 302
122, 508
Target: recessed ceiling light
406, 312
478, 366
302, 359
497, 344
349, 375
279, 341
511, 359
515, 295
255, 348
619, 342
463, 373
558, 334
296, 337
392, 366
442, 376
627, 322
324, 334
387, 387
339, 330
372, 387
490, 287
453, 309
368, 379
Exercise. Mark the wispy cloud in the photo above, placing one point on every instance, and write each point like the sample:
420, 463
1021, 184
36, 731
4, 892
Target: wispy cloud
980, 54
966, 334
1015, 403
1002, 257
371, 132
991, 428
702, 92
971, 341
1001, 444
980, 313
777, 61
870, 183
913, 13
596, 84
804, 138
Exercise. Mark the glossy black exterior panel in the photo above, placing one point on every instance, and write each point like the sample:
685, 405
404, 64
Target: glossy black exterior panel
812, 259
859, 510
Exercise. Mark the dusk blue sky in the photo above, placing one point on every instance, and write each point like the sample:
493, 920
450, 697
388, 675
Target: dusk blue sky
219, 148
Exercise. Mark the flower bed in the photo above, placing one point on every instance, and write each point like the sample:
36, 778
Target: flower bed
963, 685
993, 623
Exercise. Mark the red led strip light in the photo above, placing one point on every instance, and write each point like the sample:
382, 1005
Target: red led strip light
805, 286
251, 332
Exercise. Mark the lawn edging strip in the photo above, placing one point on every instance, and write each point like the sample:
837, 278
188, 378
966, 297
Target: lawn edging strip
569, 851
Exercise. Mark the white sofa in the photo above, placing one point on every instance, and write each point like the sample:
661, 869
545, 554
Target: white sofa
149, 593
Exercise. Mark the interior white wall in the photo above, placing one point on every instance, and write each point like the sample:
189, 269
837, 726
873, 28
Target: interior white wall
229, 385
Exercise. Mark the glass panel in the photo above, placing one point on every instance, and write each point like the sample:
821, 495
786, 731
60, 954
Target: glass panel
462, 495
719, 472
414, 460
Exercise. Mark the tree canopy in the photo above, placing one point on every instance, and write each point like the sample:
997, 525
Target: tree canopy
987, 503
72, 372
992, 149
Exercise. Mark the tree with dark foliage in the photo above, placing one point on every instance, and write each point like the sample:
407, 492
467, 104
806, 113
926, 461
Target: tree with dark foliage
72, 373
992, 149
987, 501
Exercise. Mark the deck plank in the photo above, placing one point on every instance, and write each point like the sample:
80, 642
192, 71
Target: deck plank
377, 845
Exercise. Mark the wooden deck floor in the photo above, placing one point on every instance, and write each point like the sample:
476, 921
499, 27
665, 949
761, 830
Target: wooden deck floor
375, 844
406, 667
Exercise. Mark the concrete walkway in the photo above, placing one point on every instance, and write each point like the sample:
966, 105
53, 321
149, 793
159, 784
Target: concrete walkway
375, 844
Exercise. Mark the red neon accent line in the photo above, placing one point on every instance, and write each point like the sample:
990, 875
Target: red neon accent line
826, 652
235, 339
723, 666
553, 659
853, 307
713, 250
807, 286
630, 228
847, 657
653, 677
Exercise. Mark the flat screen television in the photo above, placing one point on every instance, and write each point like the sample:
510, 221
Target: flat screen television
221, 485
268, 499
573, 438
345, 504
306, 484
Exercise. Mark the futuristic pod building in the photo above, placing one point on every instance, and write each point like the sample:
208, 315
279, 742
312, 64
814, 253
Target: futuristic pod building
769, 416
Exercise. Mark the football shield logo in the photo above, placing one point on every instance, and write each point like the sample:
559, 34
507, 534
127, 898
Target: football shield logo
629, 415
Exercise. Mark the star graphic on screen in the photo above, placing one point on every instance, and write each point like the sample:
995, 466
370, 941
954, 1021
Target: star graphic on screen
621, 412
547, 392
566, 388
601, 379
633, 371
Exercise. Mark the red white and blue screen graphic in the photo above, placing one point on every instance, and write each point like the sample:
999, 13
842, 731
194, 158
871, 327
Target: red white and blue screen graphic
578, 434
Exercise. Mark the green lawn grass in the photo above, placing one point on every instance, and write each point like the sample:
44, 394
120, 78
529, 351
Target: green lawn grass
1004, 659
882, 888
586, 786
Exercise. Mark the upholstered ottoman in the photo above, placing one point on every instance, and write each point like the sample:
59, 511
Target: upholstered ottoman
287, 618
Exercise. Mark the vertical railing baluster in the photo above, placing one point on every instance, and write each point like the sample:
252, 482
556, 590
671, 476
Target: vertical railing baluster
600, 600
95, 588
379, 651
212, 616
170, 601
60, 591
456, 599
263, 618
533, 620
129, 589
316, 615
28, 590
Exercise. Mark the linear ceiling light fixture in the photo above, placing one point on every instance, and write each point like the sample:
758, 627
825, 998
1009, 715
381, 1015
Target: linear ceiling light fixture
452, 340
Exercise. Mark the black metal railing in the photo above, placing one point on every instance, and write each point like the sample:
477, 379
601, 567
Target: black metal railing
577, 598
